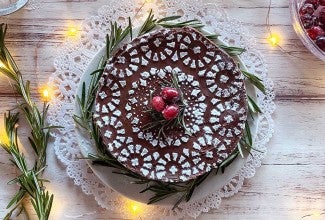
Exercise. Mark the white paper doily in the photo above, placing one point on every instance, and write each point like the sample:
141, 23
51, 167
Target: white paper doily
74, 57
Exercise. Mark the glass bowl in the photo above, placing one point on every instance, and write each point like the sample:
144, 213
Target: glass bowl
294, 6
10, 6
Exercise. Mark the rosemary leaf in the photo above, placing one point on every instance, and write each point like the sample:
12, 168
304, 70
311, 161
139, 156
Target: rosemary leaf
239, 147
170, 18
252, 105
248, 134
256, 81
130, 27
212, 36
232, 51
228, 161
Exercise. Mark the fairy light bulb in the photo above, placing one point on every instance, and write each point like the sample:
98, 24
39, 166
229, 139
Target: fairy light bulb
46, 93
72, 31
135, 208
273, 39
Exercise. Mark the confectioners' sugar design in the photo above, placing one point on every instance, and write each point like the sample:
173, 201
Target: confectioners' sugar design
214, 97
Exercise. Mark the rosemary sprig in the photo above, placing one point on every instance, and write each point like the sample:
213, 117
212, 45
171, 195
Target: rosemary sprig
29, 180
116, 36
159, 189
167, 22
148, 24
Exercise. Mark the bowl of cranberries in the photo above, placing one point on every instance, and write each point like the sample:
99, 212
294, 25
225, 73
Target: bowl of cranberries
308, 18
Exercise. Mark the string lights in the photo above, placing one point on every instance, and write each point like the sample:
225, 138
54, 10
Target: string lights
273, 38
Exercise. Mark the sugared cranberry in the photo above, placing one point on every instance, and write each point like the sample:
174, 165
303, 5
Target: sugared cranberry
315, 3
158, 103
315, 32
170, 94
321, 16
307, 21
320, 41
170, 112
322, 2
307, 9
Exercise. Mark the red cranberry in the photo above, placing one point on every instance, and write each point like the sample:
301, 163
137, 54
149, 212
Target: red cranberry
307, 21
306, 9
322, 2
313, 2
170, 112
158, 103
170, 94
314, 32
322, 16
320, 41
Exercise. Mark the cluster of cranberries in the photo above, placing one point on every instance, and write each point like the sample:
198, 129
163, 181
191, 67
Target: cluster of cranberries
312, 15
166, 103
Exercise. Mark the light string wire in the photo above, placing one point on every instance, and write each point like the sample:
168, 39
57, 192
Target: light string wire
272, 35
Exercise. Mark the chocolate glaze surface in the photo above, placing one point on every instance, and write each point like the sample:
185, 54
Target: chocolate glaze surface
215, 113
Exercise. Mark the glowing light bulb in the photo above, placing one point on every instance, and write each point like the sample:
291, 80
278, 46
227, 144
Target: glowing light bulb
46, 93
72, 31
135, 208
274, 39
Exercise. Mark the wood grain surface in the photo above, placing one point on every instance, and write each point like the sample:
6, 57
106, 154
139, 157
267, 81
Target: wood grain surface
291, 181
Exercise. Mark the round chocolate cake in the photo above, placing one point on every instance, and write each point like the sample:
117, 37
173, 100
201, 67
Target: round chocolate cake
171, 105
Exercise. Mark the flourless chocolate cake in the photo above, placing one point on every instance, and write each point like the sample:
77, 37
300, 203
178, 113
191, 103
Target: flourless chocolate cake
171, 105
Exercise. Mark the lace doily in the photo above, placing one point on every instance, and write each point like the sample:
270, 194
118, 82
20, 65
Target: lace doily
75, 56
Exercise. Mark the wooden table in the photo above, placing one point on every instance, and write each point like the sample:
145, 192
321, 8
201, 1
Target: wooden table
291, 182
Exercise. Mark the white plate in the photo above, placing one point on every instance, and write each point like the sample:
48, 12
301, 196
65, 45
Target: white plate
121, 183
